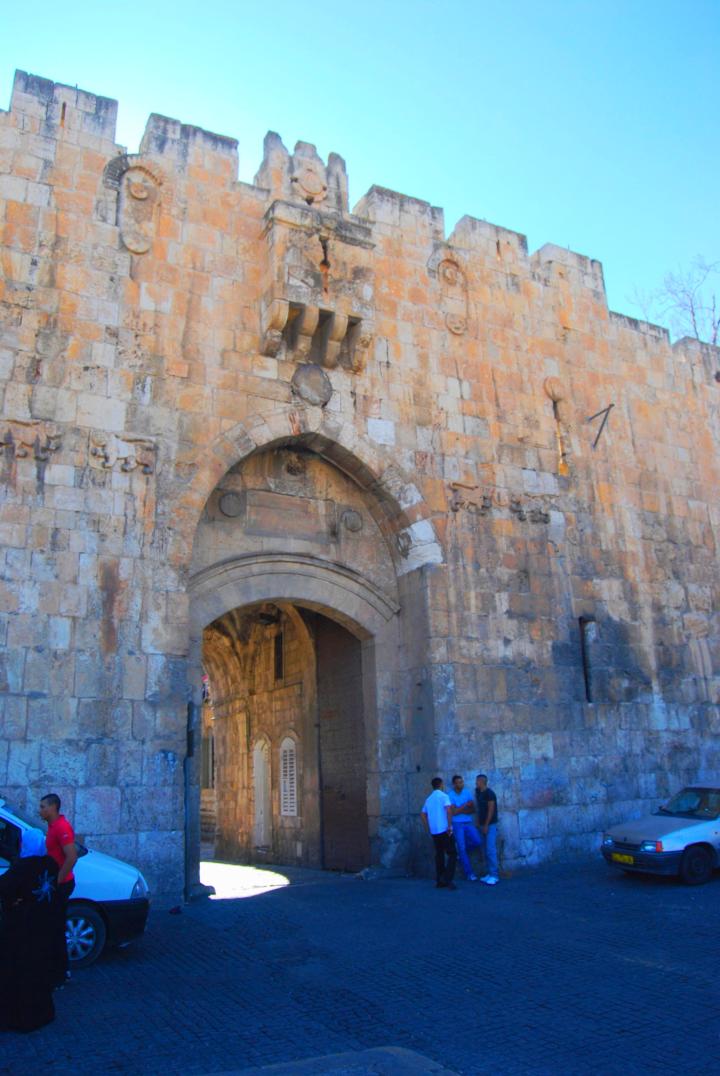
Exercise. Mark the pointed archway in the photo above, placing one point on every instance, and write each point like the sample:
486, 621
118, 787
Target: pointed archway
287, 528
402, 512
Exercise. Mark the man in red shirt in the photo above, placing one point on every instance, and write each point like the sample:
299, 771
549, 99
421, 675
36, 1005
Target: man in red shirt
60, 844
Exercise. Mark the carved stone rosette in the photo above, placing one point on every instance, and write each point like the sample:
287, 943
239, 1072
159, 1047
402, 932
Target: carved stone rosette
138, 208
445, 265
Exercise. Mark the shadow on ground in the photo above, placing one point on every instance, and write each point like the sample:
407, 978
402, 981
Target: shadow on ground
565, 969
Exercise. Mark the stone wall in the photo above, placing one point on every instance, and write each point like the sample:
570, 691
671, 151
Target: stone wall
539, 476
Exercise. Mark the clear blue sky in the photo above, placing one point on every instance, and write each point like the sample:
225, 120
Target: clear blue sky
593, 125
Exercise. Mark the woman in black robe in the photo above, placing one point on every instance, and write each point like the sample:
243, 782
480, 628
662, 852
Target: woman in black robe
29, 895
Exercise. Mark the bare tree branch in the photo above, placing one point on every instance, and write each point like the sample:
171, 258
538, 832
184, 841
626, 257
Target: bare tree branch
644, 302
688, 301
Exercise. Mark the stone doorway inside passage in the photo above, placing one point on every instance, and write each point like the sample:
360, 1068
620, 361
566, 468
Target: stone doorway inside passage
295, 639
284, 770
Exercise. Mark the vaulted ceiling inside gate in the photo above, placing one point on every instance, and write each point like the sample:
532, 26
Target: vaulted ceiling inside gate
230, 643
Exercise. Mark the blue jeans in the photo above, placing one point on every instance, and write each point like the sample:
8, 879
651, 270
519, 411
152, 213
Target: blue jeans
466, 838
489, 843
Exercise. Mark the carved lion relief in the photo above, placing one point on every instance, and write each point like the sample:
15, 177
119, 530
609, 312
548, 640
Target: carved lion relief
481, 500
33, 439
108, 452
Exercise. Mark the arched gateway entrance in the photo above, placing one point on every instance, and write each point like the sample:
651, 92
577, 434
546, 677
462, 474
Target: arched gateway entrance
297, 626
286, 719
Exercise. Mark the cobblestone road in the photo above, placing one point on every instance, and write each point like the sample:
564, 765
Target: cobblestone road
560, 970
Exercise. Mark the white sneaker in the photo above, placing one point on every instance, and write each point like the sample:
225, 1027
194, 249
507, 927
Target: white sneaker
472, 878
490, 879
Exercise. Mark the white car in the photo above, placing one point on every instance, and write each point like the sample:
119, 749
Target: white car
110, 902
682, 837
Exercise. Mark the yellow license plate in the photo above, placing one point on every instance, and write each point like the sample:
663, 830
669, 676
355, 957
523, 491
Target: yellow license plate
619, 857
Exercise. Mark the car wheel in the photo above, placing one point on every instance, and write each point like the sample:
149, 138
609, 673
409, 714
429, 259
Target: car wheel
696, 866
85, 934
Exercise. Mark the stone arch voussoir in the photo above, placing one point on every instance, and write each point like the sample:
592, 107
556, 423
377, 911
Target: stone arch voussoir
407, 515
344, 595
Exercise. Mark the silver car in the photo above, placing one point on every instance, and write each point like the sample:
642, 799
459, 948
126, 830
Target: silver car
682, 838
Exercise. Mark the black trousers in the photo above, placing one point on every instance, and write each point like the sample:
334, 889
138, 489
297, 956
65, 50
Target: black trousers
445, 857
60, 948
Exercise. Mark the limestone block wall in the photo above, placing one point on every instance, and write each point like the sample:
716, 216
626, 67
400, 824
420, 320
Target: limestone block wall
543, 475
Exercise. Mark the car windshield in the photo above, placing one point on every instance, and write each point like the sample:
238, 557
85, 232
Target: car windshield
34, 823
693, 803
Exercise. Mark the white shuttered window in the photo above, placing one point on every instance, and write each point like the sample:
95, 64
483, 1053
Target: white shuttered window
288, 778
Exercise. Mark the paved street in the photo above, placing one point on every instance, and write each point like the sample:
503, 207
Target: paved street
561, 970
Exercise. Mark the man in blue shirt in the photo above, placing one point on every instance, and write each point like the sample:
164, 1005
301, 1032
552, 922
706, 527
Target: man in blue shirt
466, 835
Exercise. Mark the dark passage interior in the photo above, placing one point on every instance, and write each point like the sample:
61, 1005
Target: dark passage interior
284, 754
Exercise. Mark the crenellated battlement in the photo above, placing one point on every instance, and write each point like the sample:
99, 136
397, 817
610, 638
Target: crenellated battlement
647, 328
703, 358
475, 234
181, 143
52, 107
302, 175
54, 112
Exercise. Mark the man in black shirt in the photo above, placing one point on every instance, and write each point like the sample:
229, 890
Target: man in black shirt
487, 824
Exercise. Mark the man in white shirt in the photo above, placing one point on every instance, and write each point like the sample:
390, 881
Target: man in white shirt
437, 815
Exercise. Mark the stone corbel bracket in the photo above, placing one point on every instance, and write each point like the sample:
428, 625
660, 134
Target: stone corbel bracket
332, 335
319, 288
360, 341
311, 334
273, 320
302, 330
